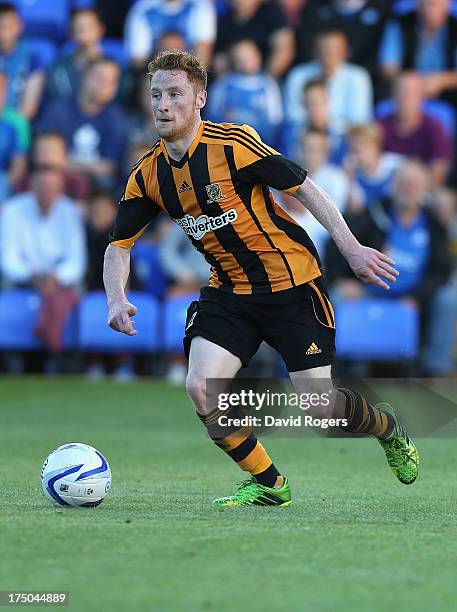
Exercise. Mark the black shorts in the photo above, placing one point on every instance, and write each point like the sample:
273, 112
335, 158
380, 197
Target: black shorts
298, 323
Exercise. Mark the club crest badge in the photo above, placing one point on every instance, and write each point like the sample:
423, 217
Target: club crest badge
214, 192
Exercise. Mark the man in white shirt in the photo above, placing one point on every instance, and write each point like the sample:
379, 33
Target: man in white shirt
41, 235
349, 86
42, 245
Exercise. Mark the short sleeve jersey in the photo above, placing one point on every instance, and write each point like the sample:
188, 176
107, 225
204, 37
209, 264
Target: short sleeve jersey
219, 194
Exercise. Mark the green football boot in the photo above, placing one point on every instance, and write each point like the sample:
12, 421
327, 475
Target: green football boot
402, 455
251, 493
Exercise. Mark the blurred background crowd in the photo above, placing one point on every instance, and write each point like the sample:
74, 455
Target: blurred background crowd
362, 93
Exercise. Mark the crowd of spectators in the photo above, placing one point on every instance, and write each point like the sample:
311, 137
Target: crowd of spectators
360, 92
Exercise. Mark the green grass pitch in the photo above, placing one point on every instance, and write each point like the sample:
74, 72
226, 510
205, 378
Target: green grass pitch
354, 538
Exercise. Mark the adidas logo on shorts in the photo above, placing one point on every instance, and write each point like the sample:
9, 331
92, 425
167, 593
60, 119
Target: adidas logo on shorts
313, 349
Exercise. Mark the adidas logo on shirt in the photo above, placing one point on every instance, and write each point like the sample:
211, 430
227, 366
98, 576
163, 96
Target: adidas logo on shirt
184, 187
313, 349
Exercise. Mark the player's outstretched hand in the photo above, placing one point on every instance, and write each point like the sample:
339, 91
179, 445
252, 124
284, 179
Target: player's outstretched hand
372, 267
119, 318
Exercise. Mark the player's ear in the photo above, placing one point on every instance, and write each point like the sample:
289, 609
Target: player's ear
200, 99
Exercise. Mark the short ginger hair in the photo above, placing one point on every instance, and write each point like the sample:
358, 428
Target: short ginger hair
186, 61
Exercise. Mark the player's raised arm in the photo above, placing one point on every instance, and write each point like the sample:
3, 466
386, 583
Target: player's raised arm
369, 265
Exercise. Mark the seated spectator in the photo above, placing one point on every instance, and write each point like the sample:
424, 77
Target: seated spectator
265, 24
42, 245
87, 30
371, 169
184, 266
247, 95
349, 86
94, 127
423, 40
14, 144
410, 233
24, 72
362, 21
50, 149
316, 103
315, 157
411, 132
147, 20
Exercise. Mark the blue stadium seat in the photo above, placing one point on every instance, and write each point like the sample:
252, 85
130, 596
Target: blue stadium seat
377, 330
222, 7
49, 18
45, 18
146, 265
116, 50
80, 4
45, 49
95, 335
174, 319
70, 330
401, 7
19, 310
440, 110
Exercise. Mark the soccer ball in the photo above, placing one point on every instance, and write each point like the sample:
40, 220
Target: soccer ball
76, 475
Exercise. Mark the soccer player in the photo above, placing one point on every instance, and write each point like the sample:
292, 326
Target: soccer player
266, 281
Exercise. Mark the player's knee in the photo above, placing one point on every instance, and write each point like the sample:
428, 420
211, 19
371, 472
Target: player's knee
317, 387
196, 389
322, 397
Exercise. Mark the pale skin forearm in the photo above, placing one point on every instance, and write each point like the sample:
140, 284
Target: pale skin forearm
116, 271
369, 265
322, 208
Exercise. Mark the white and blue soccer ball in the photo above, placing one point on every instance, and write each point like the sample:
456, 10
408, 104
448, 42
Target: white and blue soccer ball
76, 475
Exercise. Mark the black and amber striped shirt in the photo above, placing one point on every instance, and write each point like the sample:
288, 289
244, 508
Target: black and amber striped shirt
219, 194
